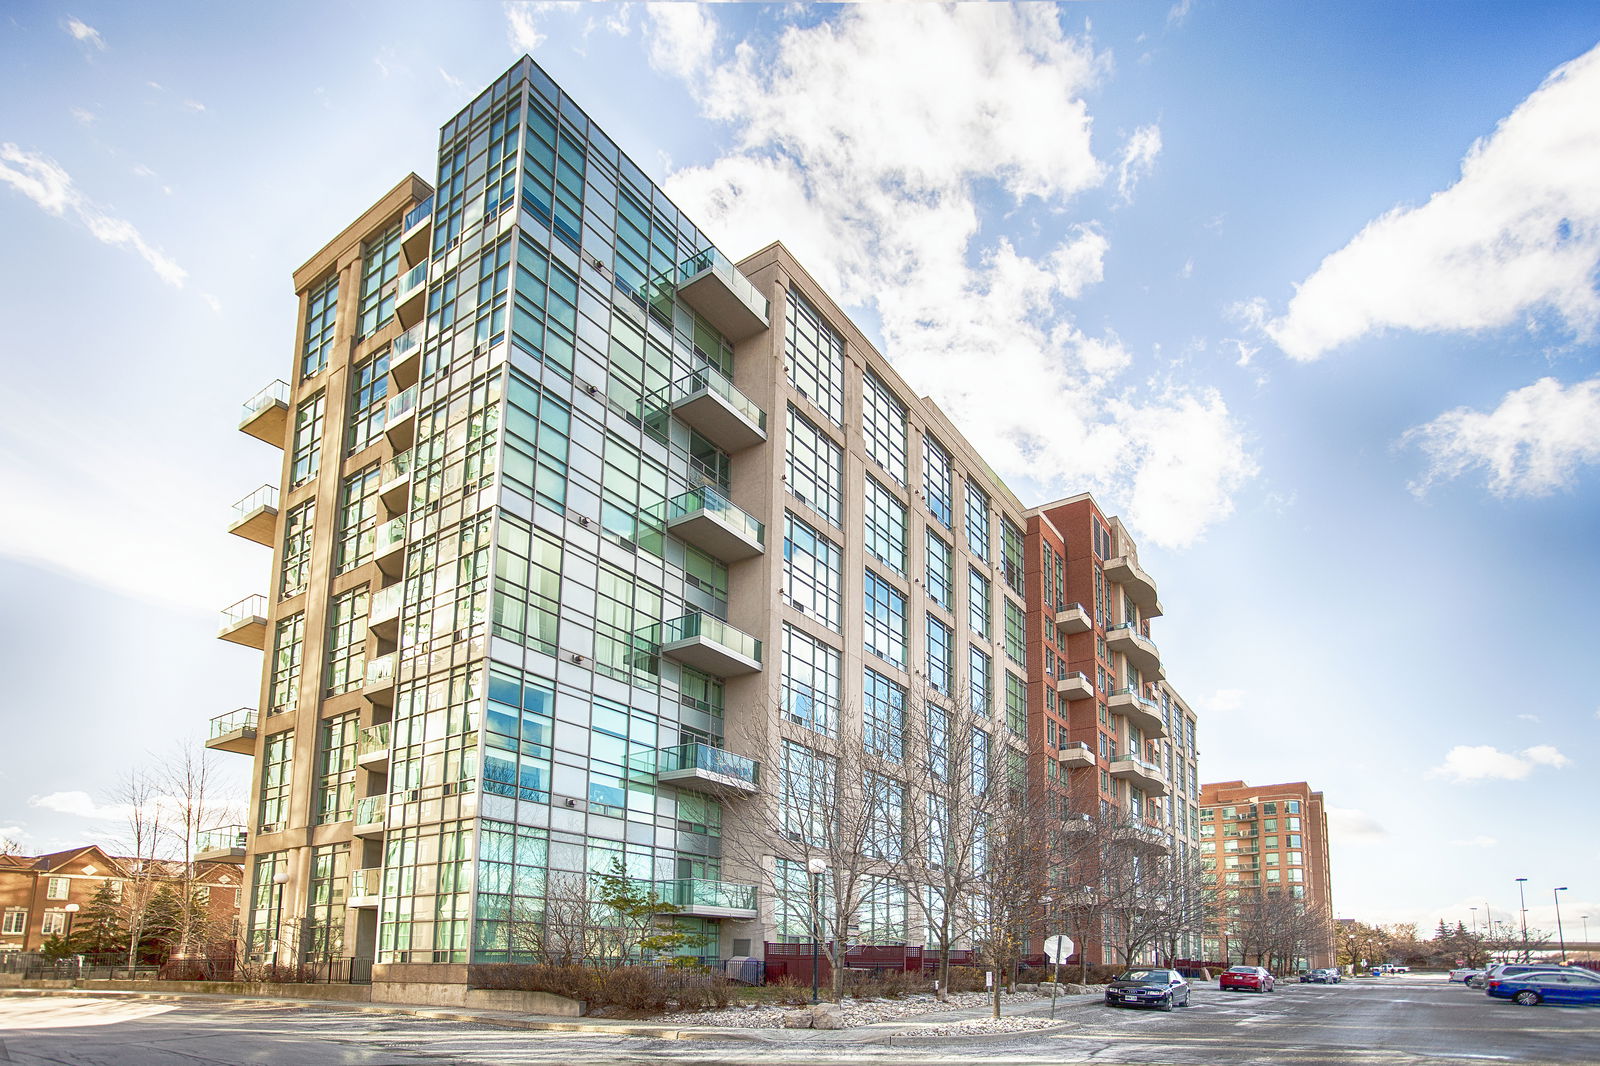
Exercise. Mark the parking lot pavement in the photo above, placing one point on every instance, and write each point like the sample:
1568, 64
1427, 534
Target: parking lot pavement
1368, 1024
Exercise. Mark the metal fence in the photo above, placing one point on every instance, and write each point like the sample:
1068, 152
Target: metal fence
795, 960
346, 970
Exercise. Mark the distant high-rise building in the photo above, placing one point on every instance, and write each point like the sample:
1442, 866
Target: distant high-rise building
1266, 850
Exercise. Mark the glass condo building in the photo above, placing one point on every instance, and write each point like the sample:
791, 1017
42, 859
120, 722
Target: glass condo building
585, 537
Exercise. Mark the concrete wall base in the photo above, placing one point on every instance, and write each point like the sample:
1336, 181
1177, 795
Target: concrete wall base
343, 993
439, 994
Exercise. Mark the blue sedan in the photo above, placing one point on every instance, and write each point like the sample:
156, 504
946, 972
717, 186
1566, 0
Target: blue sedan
1570, 986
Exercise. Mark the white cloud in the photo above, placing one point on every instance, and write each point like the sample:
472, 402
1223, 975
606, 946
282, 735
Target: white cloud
1349, 825
1529, 718
212, 302
194, 105
1222, 700
522, 21
1178, 12
1484, 762
450, 79
1138, 159
41, 179
79, 804
1517, 235
1479, 841
83, 32
83, 115
877, 145
1531, 445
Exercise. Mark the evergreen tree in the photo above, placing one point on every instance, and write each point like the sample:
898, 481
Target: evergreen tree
100, 927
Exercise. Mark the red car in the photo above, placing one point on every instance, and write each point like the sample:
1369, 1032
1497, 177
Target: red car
1248, 978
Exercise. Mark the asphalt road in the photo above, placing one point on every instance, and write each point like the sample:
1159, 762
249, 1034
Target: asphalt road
1390, 1022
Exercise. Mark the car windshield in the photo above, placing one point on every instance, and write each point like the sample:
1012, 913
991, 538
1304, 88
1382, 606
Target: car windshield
1144, 976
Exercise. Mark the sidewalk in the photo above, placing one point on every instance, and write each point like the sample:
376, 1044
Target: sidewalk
896, 1030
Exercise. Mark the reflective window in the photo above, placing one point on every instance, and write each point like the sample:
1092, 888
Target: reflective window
886, 620
810, 681
885, 522
813, 578
814, 468
883, 424
814, 354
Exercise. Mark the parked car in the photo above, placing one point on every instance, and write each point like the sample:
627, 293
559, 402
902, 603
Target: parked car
1148, 988
1248, 978
1463, 973
1502, 969
1569, 985
1327, 975
1397, 968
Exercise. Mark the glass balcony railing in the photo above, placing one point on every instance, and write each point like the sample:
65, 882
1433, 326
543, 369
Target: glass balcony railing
370, 810
275, 393
709, 379
691, 892
1074, 745
398, 467
1140, 698
417, 214
222, 838
719, 264
386, 603
696, 756
380, 670
1076, 675
372, 738
265, 496
412, 280
233, 721
406, 343
368, 882
243, 611
1143, 764
700, 624
711, 501
389, 534
400, 405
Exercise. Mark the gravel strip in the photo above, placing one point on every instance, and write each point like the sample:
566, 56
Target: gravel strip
856, 1011
982, 1026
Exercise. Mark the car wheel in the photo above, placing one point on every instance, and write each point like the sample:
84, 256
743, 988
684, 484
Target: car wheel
1526, 998
1166, 1004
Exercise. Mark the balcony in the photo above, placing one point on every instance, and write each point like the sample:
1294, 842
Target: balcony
411, 296
266, 414
707, 403
369, 816
1075, 687
696, 897
389, 547
1138, 710
1078, 823
1147, 775
246, 623
1141, 650
1151, 837
366, 887
400, 420
234, 731
704, 518
1140, 586
383, 614
713, 286
224, 844
416, 231
708, 644
395, 487
1075, 753
405, 357
379, 685
256, 516
702, 768
372, 747
1074, 618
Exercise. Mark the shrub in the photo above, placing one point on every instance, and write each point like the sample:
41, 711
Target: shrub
618, 991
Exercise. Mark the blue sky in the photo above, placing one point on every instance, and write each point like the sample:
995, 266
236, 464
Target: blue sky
1306, 293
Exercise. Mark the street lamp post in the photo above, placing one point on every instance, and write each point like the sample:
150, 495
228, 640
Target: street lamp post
1560, 933
279, 879
815, 868
1474, 911
72, 912
1522, 895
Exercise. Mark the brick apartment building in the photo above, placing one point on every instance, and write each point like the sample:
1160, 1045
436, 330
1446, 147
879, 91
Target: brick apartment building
36, 891
1264, 841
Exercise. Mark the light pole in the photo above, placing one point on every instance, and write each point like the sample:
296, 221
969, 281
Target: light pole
279, 879
1474, 911
1585, 931
1560, 934
815, 868
72, 912
1522, 894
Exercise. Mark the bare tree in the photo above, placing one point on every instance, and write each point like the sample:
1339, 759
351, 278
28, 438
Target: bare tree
832, 834
955, 759
561, 929
142, 848
192, 804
